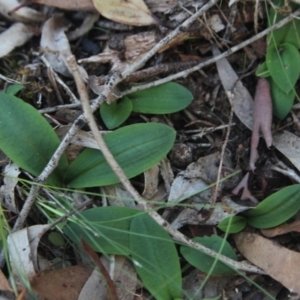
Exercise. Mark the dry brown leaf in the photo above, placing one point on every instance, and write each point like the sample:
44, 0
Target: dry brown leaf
280, 263
241, 101
130, 12
4, 285
86, 5
282, 229
65, 283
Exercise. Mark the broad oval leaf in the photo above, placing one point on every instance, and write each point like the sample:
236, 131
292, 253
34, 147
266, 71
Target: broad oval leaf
13, 89
113, 115
135, 147
163, 99
155, 258
27, 138
232, 224
203, 261
293, 36
275, 209
262, 71
277, 36
283, 63
282, 102
105, 229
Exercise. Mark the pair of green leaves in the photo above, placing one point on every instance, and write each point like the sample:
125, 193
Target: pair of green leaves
163, 99
273, 211
282, 63
29, 141
130, 232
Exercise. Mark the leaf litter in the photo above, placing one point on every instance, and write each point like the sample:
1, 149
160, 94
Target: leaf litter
191, 177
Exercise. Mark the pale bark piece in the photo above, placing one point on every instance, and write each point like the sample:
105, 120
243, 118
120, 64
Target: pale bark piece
21, 34
20, 257
23, 14
7, 190
289, 145
151, 182
130, 12
22, 248
55, 44
79, 5
242, 101
280, 263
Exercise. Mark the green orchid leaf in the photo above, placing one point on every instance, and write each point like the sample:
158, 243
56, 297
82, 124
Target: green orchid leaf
277, 36
163, 99
203, 261
155, 258
105, 229
27, 138
282, 102
284, 65
275, 209
113, 115
262, 71
135, 147
14, 89
288, 33
293, 34
232, 224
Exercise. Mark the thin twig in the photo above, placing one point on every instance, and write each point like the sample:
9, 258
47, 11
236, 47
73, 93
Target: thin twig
65, 87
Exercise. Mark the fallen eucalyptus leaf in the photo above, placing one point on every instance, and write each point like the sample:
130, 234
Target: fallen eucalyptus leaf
280, 263
241, 101
130, 12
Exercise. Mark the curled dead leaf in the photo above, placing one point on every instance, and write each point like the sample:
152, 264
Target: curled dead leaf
282, 229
